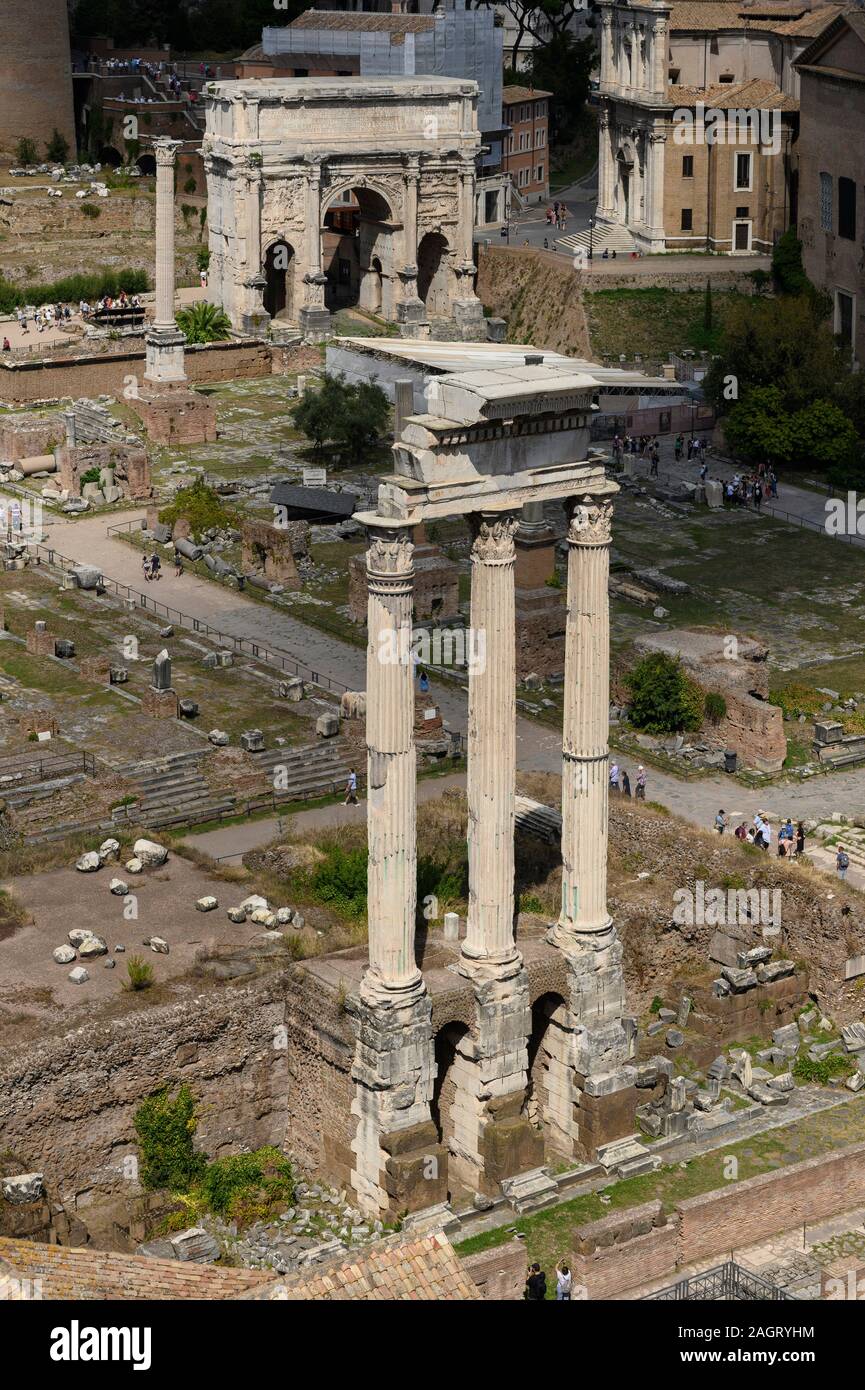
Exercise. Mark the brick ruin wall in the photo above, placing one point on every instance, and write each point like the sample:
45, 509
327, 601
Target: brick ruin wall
26, 383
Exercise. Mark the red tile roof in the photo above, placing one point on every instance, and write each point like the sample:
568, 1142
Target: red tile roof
405, 1268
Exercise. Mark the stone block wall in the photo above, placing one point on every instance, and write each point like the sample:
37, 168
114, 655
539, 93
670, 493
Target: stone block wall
268, 551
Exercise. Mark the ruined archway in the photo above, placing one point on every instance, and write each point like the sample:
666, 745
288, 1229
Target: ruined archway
357, 243
146, 163
449, 1109
110, 156
279, 268
549, 1093
433, 275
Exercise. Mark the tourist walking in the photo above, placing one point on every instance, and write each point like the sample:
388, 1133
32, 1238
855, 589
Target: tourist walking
800, 839
679, 446
641, 783
536, 1285
614, 777
721, 822
842, 862
351, 789
155, 566
178, 564
145, 567
563, 1282
625, 783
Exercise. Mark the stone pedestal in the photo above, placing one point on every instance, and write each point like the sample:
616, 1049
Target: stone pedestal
95, 668
176, 416
469, 319
159, 704
39, 641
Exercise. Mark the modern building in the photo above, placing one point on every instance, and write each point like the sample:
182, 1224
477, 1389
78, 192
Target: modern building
698, 122
526, 157
832, 170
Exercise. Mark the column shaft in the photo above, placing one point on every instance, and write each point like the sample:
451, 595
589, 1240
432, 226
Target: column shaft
492, 742
586, 721
391, 771
165, 158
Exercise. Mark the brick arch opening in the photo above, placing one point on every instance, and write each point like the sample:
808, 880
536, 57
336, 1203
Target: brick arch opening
549, 1103
451, 1114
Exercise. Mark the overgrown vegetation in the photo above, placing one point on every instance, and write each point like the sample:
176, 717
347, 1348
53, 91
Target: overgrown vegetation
203, 322
242, 1187
139, 975
824, 1069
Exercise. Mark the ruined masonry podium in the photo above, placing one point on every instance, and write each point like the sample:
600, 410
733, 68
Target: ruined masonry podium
491, 442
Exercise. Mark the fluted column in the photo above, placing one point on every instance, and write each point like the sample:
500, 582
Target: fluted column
492, 743
608, 76
166, 155
585, 750
391, 771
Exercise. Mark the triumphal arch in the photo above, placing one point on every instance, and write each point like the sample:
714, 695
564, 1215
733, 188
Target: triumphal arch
333, 191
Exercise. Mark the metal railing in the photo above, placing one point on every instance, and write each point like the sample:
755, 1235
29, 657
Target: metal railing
268, 656
728, 1283
44, 769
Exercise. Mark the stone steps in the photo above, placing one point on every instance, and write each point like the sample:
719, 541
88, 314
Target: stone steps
609, 236
531, 1191
627, 1158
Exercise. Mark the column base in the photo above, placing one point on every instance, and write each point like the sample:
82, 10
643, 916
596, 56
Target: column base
316, 324
492, 1132
604, 1043
468, 315
399, 1163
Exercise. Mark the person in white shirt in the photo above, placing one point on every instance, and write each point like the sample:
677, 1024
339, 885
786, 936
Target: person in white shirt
614, 776
563, 1282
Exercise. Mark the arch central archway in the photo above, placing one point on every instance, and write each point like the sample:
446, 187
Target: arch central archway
357, 251
549, 1093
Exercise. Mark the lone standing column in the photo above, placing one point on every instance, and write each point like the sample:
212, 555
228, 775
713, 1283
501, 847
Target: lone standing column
165, 150
391, 771
492, 742
585, 742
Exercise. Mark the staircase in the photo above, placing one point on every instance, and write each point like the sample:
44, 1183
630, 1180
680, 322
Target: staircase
172, 791
317, 770
611, 236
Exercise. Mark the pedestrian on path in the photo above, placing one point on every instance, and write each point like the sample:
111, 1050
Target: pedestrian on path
678, 447
178, 564
800, 839
145, 568
614, 777
640, 793
721, 822
351, 789
155, 566
625, 784
842, 862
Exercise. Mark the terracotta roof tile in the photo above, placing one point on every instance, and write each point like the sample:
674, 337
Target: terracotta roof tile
405, 1268
376, 23
510, 95
759, 93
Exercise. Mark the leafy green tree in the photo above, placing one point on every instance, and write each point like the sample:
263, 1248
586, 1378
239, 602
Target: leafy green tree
758, 428
822, 436
57, 148
352, 415
562, 66
204, 323
26, 153
664, 700
784, 343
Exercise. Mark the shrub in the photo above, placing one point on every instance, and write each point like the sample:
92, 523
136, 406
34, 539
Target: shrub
354, 416
57, 148
73, 288
261, 1178
91, 475
202, 258
204, 323
201, 507
190, 186
664, 700
165, 1130
340, 879
26, 153
822, 1071
139, 975
90, 210
715, 706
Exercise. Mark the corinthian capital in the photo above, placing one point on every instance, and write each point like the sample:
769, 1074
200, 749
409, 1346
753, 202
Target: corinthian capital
390, 551
165, 150
589, 520
493, 537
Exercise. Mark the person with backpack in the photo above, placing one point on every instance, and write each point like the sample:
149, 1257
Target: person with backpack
842, 862
564, 1279
536, 1285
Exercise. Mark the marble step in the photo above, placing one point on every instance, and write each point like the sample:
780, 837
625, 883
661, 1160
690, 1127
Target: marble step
627, 1158
530, 1191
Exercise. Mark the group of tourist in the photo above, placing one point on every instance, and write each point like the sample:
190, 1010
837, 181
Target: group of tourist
44, 317
790, 841
620, 781
557, 216
642, 446
122, 301
151, 567
536, 1283
750, 490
